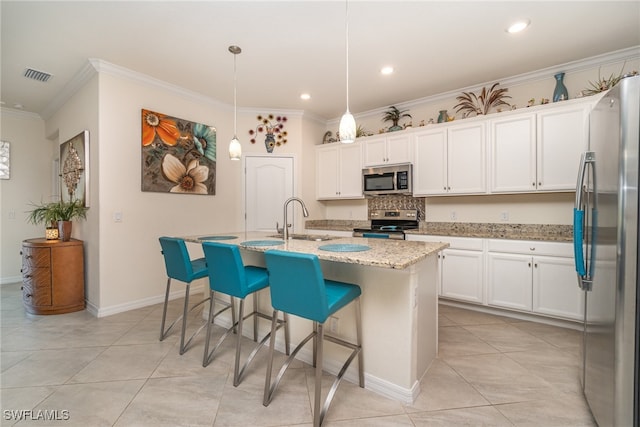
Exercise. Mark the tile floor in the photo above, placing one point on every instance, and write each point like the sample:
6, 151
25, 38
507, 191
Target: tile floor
113, 371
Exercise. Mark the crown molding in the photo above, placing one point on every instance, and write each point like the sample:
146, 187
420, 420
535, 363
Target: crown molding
81, 78
19, 114
631, 53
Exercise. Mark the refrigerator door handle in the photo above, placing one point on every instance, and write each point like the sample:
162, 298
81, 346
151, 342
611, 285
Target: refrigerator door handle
583, 266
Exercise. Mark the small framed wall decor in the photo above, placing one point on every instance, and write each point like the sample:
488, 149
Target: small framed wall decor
5, 160
74, 169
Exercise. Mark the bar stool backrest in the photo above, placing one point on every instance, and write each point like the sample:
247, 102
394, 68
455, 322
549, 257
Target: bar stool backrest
226, 269
176, 259
297, 284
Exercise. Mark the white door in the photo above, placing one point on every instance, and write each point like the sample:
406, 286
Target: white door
268, 184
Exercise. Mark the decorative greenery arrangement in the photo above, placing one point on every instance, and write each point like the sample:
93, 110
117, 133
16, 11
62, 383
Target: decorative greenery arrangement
50, 213
360, 131
603, 84
482, 104
275, 133
393, 114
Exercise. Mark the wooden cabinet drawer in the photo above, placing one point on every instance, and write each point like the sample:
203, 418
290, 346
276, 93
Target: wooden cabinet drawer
35, 257
37, 293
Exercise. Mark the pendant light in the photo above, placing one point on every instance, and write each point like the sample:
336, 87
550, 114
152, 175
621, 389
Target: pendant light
347, 129
235, 149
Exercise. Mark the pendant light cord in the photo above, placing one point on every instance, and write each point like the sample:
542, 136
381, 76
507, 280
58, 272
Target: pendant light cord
235, 103
347, 45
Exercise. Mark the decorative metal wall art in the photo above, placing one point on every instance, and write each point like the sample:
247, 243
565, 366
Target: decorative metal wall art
178, 156
273, 127
5, 160
74, 169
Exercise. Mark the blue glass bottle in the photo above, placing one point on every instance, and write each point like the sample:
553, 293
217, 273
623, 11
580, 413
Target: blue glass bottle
560, 92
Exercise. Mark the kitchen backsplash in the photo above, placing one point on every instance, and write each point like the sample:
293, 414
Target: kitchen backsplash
397, 202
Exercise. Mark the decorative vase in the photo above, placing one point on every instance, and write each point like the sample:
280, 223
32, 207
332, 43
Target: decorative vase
442, 117
269, 142
64, 230
560, 92
395, 127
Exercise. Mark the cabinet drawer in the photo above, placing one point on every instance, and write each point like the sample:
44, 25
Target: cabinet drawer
37, 277
36, 294
531, 247
35, 257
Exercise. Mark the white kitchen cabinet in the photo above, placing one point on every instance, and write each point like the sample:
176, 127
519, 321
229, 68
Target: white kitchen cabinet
450, 160
538, 151
513, 153
461, 267
391, 148
536, 277
562, 135
339, 171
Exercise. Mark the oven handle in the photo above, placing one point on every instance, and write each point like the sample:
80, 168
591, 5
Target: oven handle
376, 235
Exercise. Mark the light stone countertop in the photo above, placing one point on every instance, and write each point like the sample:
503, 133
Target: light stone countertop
542, 232
384, 253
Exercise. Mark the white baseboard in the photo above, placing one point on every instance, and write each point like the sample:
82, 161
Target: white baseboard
145, 302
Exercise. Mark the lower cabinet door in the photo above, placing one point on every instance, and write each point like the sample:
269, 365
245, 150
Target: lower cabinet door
555, 288
462, 274
509, 280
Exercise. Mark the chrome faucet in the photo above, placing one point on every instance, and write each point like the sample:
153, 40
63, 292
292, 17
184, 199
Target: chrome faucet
285, 227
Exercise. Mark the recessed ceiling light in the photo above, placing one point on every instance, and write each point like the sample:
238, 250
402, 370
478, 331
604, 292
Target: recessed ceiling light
305, 96
386, 70
518, 26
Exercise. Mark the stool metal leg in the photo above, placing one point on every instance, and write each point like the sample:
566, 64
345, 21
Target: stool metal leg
255, 318
236, 368
318, 415
184, 319
359, 343
163, 332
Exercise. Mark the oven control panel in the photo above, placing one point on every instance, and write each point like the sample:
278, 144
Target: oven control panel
394, 214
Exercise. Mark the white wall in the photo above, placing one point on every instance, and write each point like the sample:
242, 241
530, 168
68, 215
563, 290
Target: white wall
30, 182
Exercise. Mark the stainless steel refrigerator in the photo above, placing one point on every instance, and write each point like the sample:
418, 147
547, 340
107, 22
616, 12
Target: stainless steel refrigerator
606, 254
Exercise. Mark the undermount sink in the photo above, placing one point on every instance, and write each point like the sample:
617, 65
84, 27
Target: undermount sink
310, 237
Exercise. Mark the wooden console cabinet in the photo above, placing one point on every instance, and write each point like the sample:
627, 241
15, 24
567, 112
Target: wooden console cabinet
52, 276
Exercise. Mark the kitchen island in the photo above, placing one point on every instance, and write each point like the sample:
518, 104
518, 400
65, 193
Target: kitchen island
399, 303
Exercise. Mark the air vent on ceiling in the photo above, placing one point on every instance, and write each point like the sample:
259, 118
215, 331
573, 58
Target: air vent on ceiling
40, 76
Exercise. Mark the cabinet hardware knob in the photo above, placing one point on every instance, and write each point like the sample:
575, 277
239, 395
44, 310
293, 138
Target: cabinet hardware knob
444, 188
533, 184
21, 288
539, 184
20, 252
28, 295
529, 264
532, 249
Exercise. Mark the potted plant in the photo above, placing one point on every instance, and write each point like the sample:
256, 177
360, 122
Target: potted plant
393, 114
60, 214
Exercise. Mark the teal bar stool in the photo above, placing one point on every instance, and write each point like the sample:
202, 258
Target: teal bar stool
228, 275
298, 287
180, 267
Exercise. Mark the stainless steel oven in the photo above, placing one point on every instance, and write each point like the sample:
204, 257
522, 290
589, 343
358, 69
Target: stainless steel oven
389, 224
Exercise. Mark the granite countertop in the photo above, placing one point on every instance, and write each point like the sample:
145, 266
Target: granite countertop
395, 254
543, 232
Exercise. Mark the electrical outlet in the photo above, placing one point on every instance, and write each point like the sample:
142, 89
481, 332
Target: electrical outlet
333, 324
504, 216
454, 215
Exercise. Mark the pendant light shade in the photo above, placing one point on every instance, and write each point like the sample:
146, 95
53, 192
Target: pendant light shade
347, 129
235, 149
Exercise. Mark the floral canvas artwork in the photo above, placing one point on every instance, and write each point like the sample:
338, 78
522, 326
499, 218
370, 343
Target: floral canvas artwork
178, 156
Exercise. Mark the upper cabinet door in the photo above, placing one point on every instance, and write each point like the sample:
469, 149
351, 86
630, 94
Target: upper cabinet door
430, 162
466, 158
400, 147
375, 150
327, 165
350, 171
388, 149
513, 154
562, 137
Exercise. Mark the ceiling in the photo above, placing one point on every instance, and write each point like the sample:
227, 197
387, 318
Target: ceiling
291, 47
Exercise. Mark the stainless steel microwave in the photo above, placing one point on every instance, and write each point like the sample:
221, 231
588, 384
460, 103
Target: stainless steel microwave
380, 180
